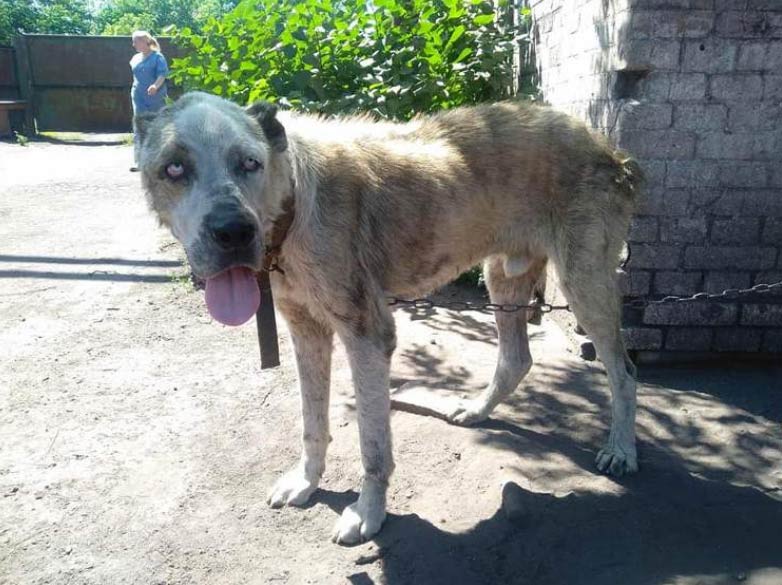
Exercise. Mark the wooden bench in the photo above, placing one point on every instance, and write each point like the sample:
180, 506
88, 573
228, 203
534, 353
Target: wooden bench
7, 106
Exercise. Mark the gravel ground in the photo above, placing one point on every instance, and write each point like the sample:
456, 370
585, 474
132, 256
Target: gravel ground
138, 438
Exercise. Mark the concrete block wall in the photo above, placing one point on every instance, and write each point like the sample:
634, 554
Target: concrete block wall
692, 88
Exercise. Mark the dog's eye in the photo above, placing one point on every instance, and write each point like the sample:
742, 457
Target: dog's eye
175, 170
250, 165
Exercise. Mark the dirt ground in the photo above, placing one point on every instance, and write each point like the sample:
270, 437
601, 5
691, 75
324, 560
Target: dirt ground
138, 438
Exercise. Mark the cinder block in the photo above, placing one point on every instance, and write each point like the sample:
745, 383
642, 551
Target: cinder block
775, 178
700, 117
656, 4
653, 256
642, 338
710, 55
773, 88
767, 145
743, 174
729, 257
770, 277
772, 232
645, 116
762, 202
642, 24
724, 5
693, 173
715, 201
657, 54
687, 87
763, 5
688, 338
643, 229
752, 56
738, 230
773, 61
762, 315
681, 24
634, 283
656, 87
683, 230
744, 24
677, 283
753, 116
774, 20
722, 145
691, 313
737, 87
717, 282
737, 339
671, 202
654, 171
668, 144
772, 341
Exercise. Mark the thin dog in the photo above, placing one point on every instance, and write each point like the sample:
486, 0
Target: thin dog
346, 212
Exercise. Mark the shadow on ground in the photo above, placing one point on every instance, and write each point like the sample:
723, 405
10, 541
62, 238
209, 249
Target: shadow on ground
705, 508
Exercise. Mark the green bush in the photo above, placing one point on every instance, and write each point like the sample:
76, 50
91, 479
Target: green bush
395, 58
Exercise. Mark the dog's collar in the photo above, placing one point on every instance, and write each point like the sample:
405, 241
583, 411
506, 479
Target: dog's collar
279, 231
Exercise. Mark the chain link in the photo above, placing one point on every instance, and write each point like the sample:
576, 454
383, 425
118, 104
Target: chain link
640, 303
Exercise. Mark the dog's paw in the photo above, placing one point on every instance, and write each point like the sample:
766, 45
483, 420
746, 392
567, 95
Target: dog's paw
357, 525
467, 413
617, 461
362, 520
292, 489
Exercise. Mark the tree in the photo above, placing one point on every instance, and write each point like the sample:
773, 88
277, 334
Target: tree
43, 16
122, 17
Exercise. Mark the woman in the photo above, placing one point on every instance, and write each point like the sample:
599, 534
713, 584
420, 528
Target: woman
150, 69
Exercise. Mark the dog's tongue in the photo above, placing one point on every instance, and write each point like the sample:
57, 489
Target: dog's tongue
232, 296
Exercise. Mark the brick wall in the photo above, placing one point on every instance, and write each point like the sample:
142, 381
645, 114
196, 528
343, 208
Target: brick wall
693, 88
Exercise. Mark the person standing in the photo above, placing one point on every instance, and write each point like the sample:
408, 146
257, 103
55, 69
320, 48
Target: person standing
149, 91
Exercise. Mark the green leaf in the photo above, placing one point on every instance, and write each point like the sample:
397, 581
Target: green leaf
455, 36
466, 52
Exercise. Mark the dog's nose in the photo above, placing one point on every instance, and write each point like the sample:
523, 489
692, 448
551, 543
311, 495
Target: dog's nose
233, 234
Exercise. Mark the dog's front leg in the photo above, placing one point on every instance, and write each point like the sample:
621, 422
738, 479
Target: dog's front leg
369, 348
312, 343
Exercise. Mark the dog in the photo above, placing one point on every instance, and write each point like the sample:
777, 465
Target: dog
345, 212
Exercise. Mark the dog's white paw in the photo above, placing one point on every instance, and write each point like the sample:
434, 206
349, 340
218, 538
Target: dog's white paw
292, 489
357, 525
616, 460
362, 520
466, 413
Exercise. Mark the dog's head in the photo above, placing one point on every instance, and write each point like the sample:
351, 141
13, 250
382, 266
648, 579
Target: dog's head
217, 175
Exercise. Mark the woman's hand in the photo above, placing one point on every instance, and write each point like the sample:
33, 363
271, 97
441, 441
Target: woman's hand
152, 89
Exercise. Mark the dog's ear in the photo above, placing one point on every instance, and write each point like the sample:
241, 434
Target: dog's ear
266, 115
141, 124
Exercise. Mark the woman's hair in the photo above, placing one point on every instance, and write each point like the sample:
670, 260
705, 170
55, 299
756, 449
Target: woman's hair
142, 34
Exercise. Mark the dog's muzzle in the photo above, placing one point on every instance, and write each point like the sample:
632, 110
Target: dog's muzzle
231, 230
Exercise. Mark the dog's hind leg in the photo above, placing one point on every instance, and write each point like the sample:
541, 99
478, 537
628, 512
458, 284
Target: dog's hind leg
586, 269
312, 342
514, 359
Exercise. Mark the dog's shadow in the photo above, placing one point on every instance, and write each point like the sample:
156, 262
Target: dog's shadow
669, 526
687, 517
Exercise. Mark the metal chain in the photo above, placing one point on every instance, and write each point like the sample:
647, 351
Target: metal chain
641, 303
